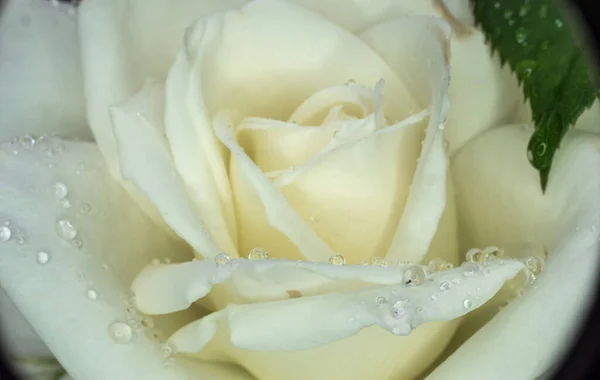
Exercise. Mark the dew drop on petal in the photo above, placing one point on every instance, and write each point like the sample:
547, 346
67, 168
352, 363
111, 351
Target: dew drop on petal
134, 324
167, 349
530, 155
65, 229
5, 233
85, 208
398, 310
438, 265
120, 332
491, 253
541, 149
337, 259
222, 258
381, 300
469, 269
474, 255
60, 190
258, 254
148, 322
91, 294
444, 285
534, 264
468, 304
415, 275
42, 257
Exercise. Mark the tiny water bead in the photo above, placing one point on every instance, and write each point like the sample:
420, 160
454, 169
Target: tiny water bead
148, 322
534, 264
474, 255
491, 253
398, 309
134, 324
91, 294
42, 257
468, 304
381, 300
337, 259
380, 261
167, 349
444, 285
60, 191
120, 332
222, 258
5, 233
85, 208
415, 275
258, 254
438, 265
65, 229
469, 269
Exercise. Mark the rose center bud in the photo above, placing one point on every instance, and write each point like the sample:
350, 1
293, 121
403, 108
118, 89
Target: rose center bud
344, 167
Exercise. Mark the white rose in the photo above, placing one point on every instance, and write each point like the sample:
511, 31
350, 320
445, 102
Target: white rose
314, 130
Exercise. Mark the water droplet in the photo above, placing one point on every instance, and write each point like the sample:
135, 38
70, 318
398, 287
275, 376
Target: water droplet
120, 332
65, 203
337, 259
534, 264
468, 304
541, 149
415, 275
258, 254
491, 253
474, 255
379, 261
350, 82
396, 331
27, 141
60, 190
222, 258
381, 300
444, 285
441, 126
543, 11
419, 308
398, 310
42, 257
134, 324
5, 233
525, 68
521, 35
167, 349
438, 265
65, 229
469, 269
558, 23
91, 294
148, 322
85, 208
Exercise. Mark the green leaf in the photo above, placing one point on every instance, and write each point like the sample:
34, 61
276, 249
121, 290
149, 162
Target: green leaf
533, 38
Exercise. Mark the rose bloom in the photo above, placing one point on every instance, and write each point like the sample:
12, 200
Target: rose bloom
301, 189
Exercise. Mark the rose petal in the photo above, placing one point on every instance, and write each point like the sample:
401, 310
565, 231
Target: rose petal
95, 244
503, 215
148, 163
125, 42
42, 90
253, 192
358, 15
301, 323
246, 58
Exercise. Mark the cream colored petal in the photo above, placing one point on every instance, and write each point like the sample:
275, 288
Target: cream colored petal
562, 222
477, 79
149, 165
260, 205
198, 156
427, 198
353, 192
123, 43
302, 323
358, 15
267, 58
76, 242
40, 72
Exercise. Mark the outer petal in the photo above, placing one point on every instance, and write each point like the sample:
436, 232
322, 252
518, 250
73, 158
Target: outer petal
149, 165
564, 220
125, 42
76, 242
324, 318
42, 90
